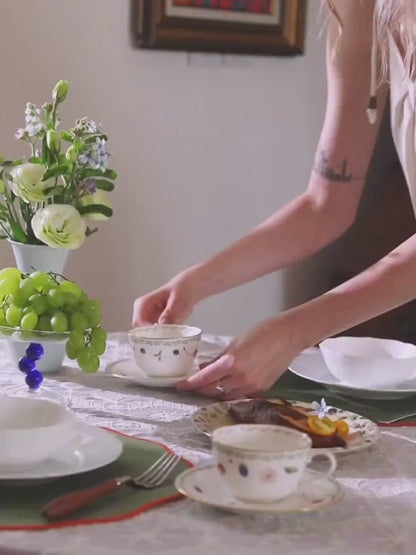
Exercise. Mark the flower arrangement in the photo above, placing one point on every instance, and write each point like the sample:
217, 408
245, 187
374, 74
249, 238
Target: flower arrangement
46, 198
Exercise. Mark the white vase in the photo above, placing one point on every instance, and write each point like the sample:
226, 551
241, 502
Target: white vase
54, 353
28, 259
39, 257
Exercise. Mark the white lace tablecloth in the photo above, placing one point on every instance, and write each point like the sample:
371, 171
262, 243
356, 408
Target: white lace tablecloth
376, 516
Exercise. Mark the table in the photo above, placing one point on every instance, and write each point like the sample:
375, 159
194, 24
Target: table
376, 516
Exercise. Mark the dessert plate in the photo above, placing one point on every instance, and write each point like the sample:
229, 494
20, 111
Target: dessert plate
92, 448
363, 432
203, 484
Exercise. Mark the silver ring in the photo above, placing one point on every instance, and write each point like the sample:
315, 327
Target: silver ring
219, 387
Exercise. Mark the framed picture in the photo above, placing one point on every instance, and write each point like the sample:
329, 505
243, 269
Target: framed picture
266, 27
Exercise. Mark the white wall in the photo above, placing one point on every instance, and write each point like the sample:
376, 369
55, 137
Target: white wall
205, 146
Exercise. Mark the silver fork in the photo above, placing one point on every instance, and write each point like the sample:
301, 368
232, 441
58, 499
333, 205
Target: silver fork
152, 477
397, 418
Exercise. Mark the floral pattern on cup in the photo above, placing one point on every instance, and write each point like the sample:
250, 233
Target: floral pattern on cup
268, 475
165, 350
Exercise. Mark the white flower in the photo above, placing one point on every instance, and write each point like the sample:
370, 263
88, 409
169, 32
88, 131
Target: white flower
321, 409
35, 121
59, 226
96, 198
25, 181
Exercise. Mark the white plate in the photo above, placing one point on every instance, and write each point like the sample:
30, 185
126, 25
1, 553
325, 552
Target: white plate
311, 365
363, 432
93, 448
128, 369
203, 484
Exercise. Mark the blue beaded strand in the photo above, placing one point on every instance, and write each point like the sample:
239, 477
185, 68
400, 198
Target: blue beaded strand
27, 364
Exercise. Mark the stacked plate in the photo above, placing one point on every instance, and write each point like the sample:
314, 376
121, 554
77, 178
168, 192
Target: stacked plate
40, 440
363, 367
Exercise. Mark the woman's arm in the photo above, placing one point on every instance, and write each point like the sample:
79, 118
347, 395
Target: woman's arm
329, 205
254, 361
384, 286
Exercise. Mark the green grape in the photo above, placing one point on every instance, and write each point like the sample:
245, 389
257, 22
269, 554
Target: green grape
55, 298
29, 321
71, 351
18, 299
13, 315
98, 347
39, 304
71, 302
26, 310
98, 334
27, 287
48, 286
88, 361
59, 322
76, 338
44, 323
94, 319
8, 286
40, 279
7, 273
79, 321
90, 307
71, 288
83, 297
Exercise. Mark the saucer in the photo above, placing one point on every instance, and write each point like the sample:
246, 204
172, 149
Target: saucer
310, 365
315, 492
128, 369
91, 449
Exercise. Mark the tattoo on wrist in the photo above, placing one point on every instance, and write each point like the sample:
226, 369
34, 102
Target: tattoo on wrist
338, 172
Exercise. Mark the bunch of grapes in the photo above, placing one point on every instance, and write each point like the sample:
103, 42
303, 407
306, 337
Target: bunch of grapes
47, 302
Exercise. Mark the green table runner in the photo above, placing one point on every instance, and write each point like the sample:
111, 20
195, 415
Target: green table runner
20, 506
293, 387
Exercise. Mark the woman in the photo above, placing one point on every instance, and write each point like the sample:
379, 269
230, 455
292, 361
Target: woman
357, 32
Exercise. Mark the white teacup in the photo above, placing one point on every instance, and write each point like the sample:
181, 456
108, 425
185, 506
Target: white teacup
31, 430
261, 462
166, 350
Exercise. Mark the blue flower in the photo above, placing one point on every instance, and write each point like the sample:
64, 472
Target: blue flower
96, 156
321, 409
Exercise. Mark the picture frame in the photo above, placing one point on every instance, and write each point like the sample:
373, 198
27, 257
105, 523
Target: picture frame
256, 27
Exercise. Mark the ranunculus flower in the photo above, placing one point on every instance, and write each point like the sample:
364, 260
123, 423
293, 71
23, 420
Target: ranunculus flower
96, 198
25, 181
59, 226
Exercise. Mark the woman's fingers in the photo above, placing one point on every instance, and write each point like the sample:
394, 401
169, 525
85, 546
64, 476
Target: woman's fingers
209, 375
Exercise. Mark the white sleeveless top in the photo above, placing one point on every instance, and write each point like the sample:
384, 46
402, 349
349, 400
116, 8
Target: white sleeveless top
403, 117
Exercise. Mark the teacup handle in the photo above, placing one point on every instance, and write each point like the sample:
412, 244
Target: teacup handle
330, 457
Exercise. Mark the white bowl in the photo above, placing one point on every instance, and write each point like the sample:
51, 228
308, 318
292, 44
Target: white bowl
369, 362
165, 350
31, 430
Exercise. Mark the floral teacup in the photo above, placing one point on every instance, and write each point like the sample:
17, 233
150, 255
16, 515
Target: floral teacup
262, 462
166, 350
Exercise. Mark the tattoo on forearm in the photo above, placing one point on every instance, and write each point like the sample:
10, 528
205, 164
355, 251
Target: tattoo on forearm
338, 173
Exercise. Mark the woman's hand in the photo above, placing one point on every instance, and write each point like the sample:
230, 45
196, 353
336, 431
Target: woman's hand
171, 304
252, 362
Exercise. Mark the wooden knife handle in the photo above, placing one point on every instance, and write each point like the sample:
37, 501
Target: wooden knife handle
72, 502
